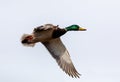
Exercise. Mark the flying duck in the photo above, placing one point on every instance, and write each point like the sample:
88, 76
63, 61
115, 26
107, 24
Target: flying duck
49, 36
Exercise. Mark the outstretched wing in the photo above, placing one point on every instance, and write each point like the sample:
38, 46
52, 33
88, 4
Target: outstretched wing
60, 53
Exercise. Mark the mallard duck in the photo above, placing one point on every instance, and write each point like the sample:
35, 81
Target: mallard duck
49, 36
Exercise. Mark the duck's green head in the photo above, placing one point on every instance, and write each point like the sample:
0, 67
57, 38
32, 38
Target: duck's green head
75, 28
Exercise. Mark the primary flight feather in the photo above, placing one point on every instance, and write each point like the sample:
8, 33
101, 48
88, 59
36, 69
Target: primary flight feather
49, 36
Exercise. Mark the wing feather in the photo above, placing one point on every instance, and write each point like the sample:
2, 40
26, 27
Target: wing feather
60, 53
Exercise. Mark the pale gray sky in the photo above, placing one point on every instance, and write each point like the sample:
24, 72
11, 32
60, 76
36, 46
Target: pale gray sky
95, 53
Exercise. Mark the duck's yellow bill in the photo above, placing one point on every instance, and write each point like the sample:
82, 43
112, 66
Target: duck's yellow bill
82, 29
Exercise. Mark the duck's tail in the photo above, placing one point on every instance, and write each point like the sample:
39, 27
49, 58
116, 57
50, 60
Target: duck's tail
25, 42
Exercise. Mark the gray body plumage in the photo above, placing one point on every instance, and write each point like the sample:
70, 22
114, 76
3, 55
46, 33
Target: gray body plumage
49, 36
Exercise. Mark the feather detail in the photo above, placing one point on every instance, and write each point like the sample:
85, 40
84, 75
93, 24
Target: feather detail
60, 53
25, 43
